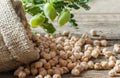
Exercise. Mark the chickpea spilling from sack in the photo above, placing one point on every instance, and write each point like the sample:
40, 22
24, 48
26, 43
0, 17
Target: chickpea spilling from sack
66, 53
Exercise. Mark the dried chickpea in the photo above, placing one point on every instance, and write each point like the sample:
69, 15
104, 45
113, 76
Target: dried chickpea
53, 54
43, 61
78, 66
90, 64
75, 72
17, 71
73, 58
87, 53
47, 56
76, 49
93, 32
102, 36
117, 62
105, 65
95, 53
38, 65
42, 72
57, 71
47, 65
104, 43
77, 55
57, 76
63, 55
84, 59
86, 46
97, 66
50, 72
112, 58
67, 48
74, 38
39, 76
22, 74
104, 50
117, 68
88, 41
27, 71
112, 73
52, 62
62, 62
84, 65
70, 65
66, 70
34, 71
108, 54
66, 33
116, 48
47, 76
96, 43
111, 64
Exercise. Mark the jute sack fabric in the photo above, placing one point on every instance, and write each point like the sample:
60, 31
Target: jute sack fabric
15, 46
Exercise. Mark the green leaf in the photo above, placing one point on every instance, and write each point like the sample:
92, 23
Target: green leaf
48, 27
33, 10
75, 6
38, 1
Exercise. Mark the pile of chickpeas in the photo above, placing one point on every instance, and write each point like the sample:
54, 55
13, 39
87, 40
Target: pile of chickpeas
65, 53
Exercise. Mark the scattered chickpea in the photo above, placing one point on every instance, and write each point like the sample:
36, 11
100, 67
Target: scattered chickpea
116, 48
47, 56
42, 71
90, 64
105, 65
62, 62
50, 72
95, 53
38, 65
104, 43
108, 54
84, 65
34, 71
104, 50
57, 71
117, 62
39, 76
27, 71
117, 68
77, 55
102, 36
88, 41
93, 32
112, 58
57, 76
64, 53
111, 64
97, 66
86, 46
22, 74
66, 33
70, 65
76, 49
96, 43
112, 73
47, 65
47, 76
75, 72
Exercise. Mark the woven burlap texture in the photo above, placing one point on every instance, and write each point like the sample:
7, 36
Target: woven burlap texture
15, 47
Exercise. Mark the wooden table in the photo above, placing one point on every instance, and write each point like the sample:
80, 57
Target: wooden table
113, 35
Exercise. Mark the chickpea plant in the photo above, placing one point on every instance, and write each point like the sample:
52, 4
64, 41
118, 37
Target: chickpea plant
44, 12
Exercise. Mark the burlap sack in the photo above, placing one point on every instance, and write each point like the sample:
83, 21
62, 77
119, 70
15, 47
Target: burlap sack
15, 46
